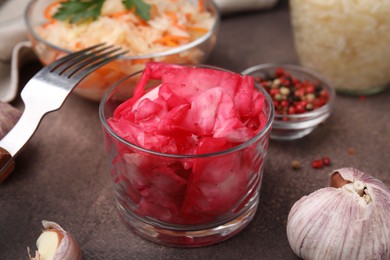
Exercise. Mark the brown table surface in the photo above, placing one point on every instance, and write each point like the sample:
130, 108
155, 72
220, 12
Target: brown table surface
63, 173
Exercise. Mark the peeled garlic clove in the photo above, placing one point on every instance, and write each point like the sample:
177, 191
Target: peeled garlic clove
55, 244
349, 220
9, 115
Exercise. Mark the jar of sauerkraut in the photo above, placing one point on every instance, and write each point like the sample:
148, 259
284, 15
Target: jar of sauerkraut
347, 41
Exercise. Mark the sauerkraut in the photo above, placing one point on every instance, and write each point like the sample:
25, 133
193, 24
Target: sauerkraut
178, 31
345, 40
173, 23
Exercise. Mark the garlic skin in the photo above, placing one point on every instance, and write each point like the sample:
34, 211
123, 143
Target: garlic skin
55, 244
9, 115
348, 221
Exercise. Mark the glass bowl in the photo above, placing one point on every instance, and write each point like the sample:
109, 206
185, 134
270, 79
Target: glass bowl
180, 199
94, 85
297, 125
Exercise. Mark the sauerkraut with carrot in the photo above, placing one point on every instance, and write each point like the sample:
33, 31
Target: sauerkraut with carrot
176, 31
172, 23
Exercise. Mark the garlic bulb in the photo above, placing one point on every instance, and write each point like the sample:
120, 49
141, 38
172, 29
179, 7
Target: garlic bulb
55, 244
349, 220
8, 118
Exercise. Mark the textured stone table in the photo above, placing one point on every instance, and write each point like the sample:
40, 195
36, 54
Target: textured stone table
63, 174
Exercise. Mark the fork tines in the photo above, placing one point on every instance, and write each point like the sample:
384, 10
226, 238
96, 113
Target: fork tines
81, 63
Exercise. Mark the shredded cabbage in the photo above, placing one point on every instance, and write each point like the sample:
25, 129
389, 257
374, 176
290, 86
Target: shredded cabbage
173, 23
345, 40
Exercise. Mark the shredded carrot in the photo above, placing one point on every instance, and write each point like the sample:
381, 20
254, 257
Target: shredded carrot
48, 12
79, 45
153, 11
142, 22
172, 40
181, 26
45, 25
188, 16
201, 6
110, 72
197, 29
172, 16
140, 61
119, 14
132, 9
175, 20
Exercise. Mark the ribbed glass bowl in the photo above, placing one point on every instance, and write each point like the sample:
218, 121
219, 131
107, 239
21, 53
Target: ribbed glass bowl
295, 126
95, 85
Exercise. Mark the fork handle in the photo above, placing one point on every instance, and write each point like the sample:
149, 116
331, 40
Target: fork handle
7, 164
17, 137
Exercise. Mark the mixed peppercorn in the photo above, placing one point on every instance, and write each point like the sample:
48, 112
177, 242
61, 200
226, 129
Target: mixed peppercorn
315, 164
320, 163
292, 95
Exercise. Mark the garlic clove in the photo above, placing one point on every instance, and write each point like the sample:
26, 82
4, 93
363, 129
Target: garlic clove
349, 220
55, 243
9, 115
47, 243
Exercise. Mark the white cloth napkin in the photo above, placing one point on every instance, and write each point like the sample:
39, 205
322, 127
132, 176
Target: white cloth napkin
15, 49
12, 46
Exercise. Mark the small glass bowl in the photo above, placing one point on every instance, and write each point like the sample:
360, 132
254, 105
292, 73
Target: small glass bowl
95, 84
295, 126
185, 200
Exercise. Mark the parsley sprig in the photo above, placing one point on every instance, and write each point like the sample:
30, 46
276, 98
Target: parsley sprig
79, 11
141, 8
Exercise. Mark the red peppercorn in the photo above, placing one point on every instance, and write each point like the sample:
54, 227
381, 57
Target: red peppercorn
351, 151
310, 89
274, 91
291, 110
265, 86
303, 103
324, 94
292, 95
299, 92
326, 161
296, 82
319, 102
284, 103
279, 72
285, 82
317, 164
299, 108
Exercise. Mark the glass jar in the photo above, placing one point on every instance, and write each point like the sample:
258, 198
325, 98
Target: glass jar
346, 41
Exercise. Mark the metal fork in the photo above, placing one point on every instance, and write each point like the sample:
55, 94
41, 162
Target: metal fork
46, 91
